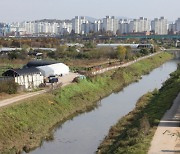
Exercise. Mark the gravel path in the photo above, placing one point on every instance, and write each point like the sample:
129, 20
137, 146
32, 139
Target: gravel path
162, 141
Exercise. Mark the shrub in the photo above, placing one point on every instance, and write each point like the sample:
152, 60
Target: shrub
9, 87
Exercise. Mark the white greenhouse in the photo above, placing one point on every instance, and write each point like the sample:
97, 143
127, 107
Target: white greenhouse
54, 69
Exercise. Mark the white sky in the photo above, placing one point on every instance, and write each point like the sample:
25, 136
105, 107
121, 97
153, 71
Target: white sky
20, 10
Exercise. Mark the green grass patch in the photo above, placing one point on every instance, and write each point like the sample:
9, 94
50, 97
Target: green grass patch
26, 124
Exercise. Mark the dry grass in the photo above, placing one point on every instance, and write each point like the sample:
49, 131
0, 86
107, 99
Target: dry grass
89, 63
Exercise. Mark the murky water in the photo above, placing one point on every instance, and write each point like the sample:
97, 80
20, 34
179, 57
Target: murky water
84, 133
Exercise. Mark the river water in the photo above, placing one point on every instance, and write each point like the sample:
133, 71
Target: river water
84, 133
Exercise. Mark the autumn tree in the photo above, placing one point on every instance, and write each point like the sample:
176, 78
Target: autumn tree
25, 47
121, 53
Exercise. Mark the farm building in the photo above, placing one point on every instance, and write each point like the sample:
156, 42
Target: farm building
27, 77
57, 69
35, 73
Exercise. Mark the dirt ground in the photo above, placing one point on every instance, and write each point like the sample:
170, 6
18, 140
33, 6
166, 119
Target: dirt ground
65, 80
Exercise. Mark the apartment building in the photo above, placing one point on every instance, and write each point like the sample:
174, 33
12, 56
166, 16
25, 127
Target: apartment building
110, 24
159, 26
139, 25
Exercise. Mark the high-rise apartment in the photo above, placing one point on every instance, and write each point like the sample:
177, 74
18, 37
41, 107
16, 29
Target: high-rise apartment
123, 26
139, 25
160, 26
110, 24
177, 23
77, 24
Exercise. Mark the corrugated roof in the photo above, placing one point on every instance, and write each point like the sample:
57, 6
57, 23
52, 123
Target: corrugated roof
36, 63
18, 72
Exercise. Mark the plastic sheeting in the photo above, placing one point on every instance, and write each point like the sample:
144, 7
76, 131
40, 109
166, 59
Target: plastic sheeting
54, 69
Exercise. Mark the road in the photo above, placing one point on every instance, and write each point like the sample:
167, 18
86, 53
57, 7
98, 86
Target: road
162, 141
67, 79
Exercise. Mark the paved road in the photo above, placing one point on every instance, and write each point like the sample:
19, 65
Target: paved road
67, 79
163, 142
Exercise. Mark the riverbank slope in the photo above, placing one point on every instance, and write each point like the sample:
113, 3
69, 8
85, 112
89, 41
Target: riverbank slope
25, 124
134, 132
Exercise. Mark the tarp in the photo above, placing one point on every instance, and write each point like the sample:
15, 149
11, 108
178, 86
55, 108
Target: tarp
54, 69
46, 71
59, 68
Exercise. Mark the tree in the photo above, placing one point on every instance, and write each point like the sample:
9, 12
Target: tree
13, 55
59, 53
15, 44
121, 53
89, 45
25, 47
128, 53
144, 51
155, 46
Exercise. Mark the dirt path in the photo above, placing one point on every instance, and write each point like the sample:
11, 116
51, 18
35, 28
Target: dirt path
123, 65
163, 142
67, 79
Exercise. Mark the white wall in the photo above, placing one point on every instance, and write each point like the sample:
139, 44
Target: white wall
29, 81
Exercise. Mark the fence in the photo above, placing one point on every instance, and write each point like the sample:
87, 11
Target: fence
122, 65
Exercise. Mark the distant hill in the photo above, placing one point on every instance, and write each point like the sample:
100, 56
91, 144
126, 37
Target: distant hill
53, 20
91, 19
122, 17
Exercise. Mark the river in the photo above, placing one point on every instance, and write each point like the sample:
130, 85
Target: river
84, 133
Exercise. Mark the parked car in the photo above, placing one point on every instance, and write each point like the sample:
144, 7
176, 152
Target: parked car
53, 79
78, 78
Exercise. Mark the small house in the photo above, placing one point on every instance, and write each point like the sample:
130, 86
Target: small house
27, 77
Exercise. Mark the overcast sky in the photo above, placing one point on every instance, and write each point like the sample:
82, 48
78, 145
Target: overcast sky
20, 10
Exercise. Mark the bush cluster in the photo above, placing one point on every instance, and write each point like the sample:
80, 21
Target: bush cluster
9, 87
